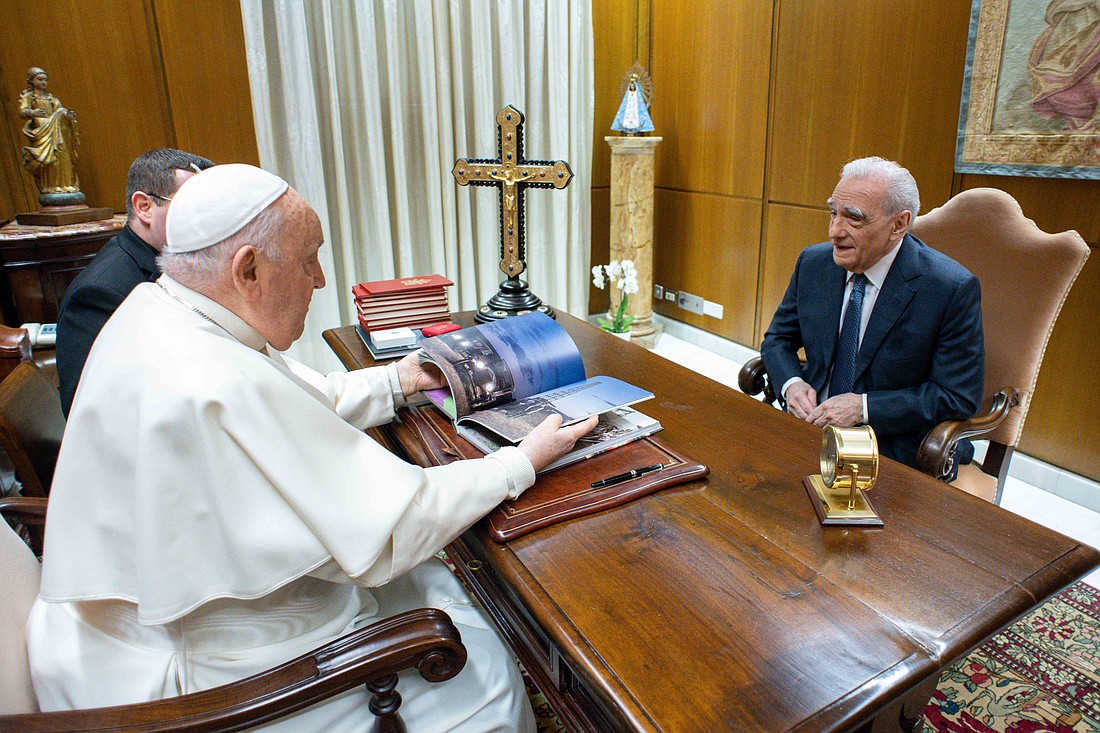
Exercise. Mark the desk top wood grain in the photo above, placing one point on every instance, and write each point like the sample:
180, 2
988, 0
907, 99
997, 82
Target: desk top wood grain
724, 605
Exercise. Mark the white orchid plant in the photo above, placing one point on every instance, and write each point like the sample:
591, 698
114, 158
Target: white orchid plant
623, 276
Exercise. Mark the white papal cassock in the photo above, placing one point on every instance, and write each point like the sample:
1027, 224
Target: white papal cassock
217, 509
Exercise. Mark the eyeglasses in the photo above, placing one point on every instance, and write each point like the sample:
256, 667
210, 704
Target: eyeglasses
158, 196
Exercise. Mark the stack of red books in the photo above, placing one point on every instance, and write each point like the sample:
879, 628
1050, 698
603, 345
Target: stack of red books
414, 302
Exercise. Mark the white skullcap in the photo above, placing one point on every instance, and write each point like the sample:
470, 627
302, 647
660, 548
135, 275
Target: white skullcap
217, 203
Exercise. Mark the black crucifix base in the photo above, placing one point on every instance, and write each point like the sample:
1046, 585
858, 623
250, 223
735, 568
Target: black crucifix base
513, 299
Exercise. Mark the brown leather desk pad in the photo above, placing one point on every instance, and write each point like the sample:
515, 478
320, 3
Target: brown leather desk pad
565, 493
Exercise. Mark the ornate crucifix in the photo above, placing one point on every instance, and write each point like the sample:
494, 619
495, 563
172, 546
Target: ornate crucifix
511, 174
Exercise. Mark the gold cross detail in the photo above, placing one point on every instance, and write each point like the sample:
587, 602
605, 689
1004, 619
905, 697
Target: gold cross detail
511, 174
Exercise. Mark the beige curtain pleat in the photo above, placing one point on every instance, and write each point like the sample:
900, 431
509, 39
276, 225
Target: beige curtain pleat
364, 107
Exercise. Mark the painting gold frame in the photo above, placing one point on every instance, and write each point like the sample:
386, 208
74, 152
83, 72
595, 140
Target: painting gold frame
1000, 131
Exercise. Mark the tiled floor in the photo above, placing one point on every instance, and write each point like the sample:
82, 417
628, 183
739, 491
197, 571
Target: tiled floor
1022, 498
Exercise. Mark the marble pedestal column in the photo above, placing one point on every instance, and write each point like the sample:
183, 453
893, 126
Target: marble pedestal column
632, 225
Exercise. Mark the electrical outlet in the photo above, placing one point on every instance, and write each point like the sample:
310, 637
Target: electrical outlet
690, 303
658, 292
670, 295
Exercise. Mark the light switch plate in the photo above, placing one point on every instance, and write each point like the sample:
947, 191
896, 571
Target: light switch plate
690, 303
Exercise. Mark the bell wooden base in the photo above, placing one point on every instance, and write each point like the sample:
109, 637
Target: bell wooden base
831, 505
59, 216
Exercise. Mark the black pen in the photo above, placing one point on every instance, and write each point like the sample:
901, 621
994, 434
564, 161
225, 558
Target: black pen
635, 473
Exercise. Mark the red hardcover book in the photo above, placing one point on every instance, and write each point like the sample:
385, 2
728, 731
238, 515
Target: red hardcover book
374, 324
423, 295
429, 318
400, 285
414, 322
371, 307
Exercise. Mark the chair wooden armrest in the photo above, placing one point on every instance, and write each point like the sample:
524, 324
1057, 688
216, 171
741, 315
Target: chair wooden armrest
936, 455
29, 511
423, 639
15, 343
15, 348
753, 379
25, 509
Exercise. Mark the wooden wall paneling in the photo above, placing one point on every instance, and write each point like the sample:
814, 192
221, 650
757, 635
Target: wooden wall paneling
863, 77
1054, 204
615, 44
790, 229
13, 196
1063, 423
206, 73
103, 64
708, 245
710, 77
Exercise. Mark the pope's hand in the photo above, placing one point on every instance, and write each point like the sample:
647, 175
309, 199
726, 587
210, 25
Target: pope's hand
415, 376
550, 441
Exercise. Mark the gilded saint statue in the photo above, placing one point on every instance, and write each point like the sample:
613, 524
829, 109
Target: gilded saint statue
52, 133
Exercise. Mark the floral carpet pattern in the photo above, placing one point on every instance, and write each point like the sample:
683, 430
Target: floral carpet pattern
546, 720
1040, 675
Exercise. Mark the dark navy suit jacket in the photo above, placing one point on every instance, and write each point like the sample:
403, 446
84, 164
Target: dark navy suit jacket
922, 358
92, 297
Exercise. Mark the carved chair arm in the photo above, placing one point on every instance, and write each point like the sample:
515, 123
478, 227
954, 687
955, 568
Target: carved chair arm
423, 639
30, 512
753, 379
936, 455
25, 509
15, 343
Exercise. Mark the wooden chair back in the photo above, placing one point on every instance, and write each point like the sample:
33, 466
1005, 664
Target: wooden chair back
1025, 274
31, 426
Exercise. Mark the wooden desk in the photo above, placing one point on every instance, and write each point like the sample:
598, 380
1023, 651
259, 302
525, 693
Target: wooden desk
40, 262
724, 605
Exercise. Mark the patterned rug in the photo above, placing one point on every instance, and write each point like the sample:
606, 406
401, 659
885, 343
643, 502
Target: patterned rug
546, 720
1041, 675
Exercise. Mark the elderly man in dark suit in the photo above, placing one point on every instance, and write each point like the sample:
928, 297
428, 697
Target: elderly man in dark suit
128, 259
892, 328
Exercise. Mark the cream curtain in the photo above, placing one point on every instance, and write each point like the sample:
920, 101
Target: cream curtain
364, 108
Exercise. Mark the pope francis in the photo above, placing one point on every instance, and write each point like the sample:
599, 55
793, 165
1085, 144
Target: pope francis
217, 508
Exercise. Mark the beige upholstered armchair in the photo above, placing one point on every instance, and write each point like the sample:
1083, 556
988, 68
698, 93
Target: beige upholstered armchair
985, 230
424, 639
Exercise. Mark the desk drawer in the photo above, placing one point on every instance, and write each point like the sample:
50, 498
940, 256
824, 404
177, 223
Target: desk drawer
567, 692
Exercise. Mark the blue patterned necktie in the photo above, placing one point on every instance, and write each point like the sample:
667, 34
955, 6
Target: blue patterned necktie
844, 368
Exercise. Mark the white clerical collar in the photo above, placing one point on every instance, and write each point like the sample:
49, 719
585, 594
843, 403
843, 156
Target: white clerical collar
215, 312
877, 272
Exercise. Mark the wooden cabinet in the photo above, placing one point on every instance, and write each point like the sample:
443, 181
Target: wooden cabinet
38, 263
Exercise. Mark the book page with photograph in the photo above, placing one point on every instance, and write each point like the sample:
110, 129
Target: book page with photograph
494, 363
615, 429
509, 375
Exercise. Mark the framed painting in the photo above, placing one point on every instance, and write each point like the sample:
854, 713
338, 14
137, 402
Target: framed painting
1031, 90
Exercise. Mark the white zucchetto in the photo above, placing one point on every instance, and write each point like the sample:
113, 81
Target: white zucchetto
217, 203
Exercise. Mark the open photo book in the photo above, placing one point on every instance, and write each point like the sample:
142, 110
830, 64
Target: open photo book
505, 377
